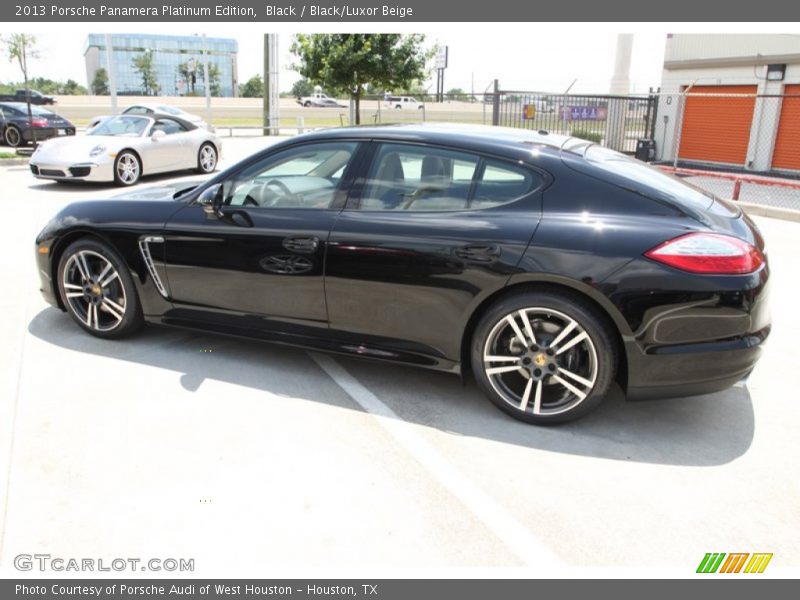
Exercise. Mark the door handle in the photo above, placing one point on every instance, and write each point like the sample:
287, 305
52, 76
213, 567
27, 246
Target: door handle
301, 244
478, 252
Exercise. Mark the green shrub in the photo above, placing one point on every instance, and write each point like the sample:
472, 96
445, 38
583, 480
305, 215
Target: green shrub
589, 136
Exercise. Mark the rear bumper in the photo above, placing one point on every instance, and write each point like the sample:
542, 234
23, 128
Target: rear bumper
45, 133
694, 369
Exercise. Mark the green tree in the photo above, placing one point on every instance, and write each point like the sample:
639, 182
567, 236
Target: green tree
72, 88
456, 93
253, 88
302, 87
187, 71
350, 61
100, 82
22, 48
143, 64
214, 80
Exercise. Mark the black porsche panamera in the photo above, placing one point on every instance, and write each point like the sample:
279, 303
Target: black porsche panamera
547, 266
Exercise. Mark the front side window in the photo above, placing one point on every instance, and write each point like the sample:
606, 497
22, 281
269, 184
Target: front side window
425, 178
306, 176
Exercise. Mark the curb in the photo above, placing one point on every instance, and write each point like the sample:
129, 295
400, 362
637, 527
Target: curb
10, 162
787, 214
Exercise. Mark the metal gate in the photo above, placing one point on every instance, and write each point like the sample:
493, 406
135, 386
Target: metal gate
613, 121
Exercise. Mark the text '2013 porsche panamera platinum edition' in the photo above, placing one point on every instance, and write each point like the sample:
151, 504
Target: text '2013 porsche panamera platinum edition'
546, 267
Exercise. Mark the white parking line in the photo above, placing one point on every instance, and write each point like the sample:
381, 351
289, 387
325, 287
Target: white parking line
514, 534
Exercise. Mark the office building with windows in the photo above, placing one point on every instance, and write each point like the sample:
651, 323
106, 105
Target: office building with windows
168, 65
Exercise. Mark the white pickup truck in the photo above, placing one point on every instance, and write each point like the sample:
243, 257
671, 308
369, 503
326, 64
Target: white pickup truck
319, 99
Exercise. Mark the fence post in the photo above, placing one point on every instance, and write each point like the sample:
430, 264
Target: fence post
737, 188
496, 104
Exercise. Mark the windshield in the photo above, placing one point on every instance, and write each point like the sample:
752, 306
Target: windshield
121, 126
170, 110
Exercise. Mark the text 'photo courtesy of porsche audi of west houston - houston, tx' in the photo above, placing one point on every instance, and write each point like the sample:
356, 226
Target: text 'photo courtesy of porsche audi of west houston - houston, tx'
547, 267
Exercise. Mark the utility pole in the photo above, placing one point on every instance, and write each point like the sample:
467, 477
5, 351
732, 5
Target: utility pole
271, 99
207, 82
616, 122
112, 78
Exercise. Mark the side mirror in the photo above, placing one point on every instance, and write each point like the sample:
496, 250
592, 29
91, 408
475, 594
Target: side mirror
211, 199
157, 135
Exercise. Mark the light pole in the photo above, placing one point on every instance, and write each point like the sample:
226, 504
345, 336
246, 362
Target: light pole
207, 82
112, 79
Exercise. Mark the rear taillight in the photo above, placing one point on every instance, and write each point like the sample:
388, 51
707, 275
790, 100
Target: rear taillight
709, 254
39, 122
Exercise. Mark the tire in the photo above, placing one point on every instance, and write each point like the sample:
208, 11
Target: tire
398, 107
206, 158
13, 136
107, 307
127, 176
307, 104
545, 382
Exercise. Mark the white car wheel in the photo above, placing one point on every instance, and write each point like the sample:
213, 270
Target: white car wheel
127, 168
207, 159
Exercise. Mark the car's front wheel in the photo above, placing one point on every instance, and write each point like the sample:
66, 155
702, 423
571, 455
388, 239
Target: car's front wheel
127, 168
207, 158
544, 357
13, 136
97, 290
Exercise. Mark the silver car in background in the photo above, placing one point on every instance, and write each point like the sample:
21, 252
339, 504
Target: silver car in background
123, 148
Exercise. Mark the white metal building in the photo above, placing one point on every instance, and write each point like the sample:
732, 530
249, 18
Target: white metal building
743, 103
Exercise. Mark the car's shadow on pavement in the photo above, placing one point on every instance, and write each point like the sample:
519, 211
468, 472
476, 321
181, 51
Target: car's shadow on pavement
84, 187
701, 431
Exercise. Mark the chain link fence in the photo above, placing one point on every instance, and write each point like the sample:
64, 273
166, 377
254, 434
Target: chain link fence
743, 146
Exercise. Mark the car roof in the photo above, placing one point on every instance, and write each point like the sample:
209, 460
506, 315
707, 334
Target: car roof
156, 116
23, 106
508, 141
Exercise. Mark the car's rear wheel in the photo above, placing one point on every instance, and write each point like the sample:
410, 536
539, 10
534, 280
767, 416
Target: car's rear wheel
13, 136
206, 158
544, 357
127, 168
307, 103
97, 290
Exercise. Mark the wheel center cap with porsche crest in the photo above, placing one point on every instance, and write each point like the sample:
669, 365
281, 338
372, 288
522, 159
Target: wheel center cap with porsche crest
539, 360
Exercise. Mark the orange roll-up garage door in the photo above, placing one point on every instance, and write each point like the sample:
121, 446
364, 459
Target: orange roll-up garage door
787, 145
717, 129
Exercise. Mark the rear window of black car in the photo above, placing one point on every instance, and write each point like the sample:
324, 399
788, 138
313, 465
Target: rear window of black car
637, 176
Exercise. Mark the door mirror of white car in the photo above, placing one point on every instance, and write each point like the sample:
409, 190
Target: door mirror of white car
157, 135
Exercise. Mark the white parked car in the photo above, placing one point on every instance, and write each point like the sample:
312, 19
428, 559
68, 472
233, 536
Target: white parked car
151, 109
403, 102
123, 148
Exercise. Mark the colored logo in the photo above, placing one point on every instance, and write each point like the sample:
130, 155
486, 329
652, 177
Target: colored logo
736, 562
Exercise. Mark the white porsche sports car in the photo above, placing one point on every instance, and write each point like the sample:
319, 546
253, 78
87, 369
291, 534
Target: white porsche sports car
123, 148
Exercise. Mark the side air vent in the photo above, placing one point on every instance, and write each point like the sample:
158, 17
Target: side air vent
144, 247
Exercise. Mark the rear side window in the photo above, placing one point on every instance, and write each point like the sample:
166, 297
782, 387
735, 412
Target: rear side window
501, 183
405, 177
427, 178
